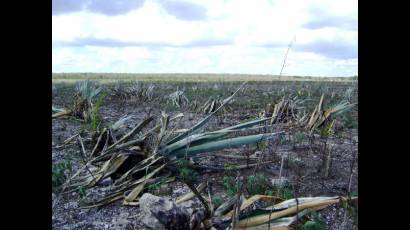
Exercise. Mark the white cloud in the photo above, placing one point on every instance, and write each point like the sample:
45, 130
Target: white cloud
237, 36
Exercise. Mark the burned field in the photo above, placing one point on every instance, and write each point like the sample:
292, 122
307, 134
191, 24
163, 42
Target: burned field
209, 155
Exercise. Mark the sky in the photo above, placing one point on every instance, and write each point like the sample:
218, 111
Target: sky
206, 36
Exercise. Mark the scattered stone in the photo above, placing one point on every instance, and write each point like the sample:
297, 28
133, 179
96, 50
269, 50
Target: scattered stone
280, 182
158, 212
257, 154
181, 191
107, 181
71, 205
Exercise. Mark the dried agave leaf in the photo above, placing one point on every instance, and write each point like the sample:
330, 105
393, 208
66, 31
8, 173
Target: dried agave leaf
121, 122
138, 189
142, 165
319, 117
112, 147
252, 200
279, 224
115, 165
293, 202
135, 192
56, 110
62, 113
106, 200
312, 204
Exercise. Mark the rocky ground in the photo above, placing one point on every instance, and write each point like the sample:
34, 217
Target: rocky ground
302, 168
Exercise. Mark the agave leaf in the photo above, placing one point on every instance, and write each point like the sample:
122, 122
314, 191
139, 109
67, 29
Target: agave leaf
222, 144
137, 168
343, 109
315, 114
148, 175
104, 201
180, 130
98, 142
209, 136
164, 126
136, 129
56, 110
246, 124
115, 165
190, 140
121, 122
91, 180
138, 189
158, 127
62, 113
88, 89
135, 192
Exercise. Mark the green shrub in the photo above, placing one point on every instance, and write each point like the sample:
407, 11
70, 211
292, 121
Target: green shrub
312, 225
348, 121
59, 173
299, 137
257, 184
231, 187
217, 201
282, 192
186, 174
316, 224
82, 191
261, 146
230, 167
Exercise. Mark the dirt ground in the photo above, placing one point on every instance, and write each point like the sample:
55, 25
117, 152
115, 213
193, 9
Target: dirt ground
302, 167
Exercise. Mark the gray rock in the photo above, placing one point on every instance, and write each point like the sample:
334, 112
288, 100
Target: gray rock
161, 213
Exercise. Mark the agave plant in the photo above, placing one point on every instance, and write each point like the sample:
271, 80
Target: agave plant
211, 105
88, 90
118, 91
348, 95
178, 98
83, 101
137, 91
319, 116
287, 110
149, 93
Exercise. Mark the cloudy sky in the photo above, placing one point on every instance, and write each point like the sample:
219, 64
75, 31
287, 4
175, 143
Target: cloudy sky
205, 36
